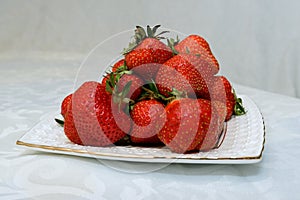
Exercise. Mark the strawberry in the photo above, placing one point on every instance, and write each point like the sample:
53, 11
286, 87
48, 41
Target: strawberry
70, 128
135, 87
65, 105
148, 117
118, 64
191, 125
123, 84
146, 53
223, 92
212, 125
104, 79
125, 88
185, 72
197, 45
92, 119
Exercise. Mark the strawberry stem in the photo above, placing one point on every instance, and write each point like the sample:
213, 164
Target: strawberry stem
154, 94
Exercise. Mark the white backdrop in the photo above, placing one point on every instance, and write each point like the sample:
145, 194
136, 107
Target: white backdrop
256, 42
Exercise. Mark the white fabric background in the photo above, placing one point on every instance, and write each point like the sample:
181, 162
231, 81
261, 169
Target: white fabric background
256, 42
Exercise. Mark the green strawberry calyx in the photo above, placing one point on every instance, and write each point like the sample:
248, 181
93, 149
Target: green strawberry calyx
150, 91
59, 121
178, 94
141, 34
238, 107
111, 86
114, 77
119, 98
172, 43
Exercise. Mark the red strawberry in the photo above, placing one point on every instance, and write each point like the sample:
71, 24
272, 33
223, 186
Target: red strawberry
92, 119
135, 86
70, 129
65, 105
147, 52
124, 85
104, 79
185, 72
148, 117
195, 44
118, 64
124, 89
191, 125
212, 125
223, 93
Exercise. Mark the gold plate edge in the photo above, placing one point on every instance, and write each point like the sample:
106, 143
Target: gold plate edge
46, 147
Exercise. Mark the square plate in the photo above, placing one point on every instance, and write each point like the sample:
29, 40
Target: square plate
244, 143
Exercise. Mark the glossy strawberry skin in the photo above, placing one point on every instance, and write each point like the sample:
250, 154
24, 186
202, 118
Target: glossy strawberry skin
147, 56
92, 119
70, 128
104, 79
65, 105
188, 126
223, 93
212, 125
181, 132
148, 118
195, 44
187, 73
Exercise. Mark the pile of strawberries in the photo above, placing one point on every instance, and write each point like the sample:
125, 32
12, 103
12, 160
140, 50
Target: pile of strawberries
157, 94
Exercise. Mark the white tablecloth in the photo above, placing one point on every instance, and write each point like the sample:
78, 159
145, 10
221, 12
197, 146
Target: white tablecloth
31, 89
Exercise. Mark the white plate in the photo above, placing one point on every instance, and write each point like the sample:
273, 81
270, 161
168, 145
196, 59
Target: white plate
244, 143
